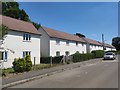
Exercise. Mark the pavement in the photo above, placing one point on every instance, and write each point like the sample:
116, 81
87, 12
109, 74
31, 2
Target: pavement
94, 75
33, 75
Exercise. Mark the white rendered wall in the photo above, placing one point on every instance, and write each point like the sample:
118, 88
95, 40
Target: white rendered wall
95, 47
72, 48
45, 43
108, 49
14, 41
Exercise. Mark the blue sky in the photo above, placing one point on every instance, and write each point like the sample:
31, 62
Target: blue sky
89, 18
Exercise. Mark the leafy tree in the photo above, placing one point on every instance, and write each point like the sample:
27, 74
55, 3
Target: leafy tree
37, 26
12, 9
116, 42
80, 35
3, 31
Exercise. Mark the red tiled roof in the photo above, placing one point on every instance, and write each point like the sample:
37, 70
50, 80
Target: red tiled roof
108, 45
19, 25
62, 35
92, 41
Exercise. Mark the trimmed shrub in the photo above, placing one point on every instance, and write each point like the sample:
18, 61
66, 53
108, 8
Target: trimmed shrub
112, 51
22, 64
45, 60
19, 65
77, 57
55, 60
28, 63
118, 52
98, 53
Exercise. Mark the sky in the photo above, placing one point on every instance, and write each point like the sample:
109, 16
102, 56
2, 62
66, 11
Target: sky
88, 18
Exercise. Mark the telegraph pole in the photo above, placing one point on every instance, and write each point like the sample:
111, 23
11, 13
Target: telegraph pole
103, 40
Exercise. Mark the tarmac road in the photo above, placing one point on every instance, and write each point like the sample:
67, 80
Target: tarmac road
98, 75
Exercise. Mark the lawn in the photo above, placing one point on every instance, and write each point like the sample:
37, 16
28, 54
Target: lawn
7, 72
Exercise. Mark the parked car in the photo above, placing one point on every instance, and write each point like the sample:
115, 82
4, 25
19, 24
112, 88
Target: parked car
109, 55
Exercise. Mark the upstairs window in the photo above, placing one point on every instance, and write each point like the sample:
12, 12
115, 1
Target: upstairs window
25, 53
67, 42
57, 42
82, 44
26, 37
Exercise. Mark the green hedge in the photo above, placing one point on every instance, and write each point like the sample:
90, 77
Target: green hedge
98, 53
55, 60
77, 57
112, 51
118, 52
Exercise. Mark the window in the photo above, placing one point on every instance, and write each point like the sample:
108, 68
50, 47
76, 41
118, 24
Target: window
4, 56
67, 53
82, 44
57, 42
26, 37
57, 53
67, 42
25, 53
76, 43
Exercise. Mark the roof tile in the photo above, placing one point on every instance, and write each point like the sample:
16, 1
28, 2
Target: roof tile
19, 25
62, 35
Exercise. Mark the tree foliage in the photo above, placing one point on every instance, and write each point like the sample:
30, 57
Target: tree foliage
3, 31
116, 42
80, 35
12, 9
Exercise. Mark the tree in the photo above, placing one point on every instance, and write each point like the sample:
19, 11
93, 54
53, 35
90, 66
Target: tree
80, 35
116, 42
37, 26
3, 31
12, 9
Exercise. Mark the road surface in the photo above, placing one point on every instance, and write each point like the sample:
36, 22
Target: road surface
98, 75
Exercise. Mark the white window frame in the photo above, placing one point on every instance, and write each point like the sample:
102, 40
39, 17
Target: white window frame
57, 42
26, 37
4, 57
77, 43
57, 53
67, 43
25, 53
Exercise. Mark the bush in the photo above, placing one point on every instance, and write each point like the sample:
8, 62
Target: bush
57, 59
112, 51
47, 60
77, 57
28, 63
7, 71
22, 64
98, 53
118, 52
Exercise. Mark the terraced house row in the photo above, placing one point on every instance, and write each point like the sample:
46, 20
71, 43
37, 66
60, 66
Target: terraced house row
24, 39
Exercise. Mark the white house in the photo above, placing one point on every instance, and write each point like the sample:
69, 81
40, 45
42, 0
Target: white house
109, 47
22, 39
93, 45
56, 43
